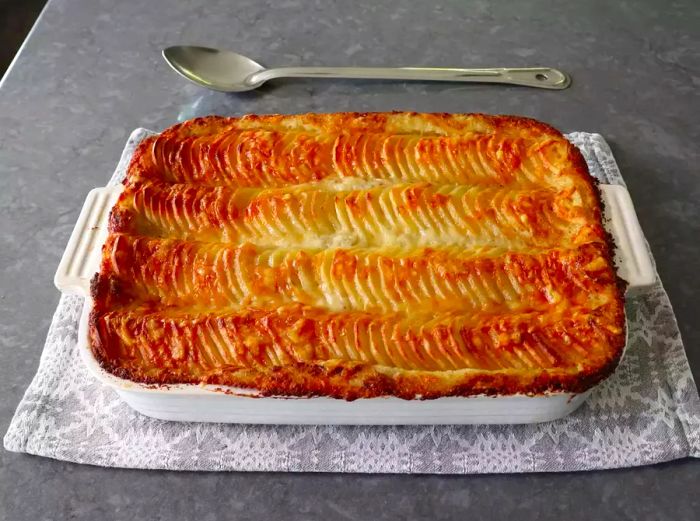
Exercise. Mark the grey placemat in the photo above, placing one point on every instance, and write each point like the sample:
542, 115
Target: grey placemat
647, 412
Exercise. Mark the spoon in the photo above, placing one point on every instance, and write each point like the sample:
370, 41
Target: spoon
227, 71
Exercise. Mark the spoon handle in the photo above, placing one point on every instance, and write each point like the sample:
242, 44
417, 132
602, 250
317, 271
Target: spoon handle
541, 77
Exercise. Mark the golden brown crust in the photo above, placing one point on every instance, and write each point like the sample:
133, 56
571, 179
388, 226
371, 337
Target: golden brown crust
360, 255
307, 344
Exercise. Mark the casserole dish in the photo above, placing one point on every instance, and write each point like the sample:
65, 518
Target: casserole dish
225, 403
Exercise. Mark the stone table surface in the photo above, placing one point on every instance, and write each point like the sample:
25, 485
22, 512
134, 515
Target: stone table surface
91, 71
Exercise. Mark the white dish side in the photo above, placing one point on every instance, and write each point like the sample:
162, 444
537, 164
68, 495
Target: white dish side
207, 403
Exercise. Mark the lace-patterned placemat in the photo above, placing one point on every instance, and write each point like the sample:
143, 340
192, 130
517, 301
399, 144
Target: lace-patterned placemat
647, 412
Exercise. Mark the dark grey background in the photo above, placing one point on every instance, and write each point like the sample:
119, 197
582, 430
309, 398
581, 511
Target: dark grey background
91, 72
16, 19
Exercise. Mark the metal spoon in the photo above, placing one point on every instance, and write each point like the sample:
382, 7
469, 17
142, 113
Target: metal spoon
227, 71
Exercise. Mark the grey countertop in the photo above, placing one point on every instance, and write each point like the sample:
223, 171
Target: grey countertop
90, 72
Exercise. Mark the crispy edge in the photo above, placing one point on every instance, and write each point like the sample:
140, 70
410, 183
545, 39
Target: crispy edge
353, 380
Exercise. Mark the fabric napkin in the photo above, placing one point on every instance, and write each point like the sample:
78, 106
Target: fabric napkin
647, 412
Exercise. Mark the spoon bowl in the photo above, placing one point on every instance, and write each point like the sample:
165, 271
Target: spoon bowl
214, 69
228, 71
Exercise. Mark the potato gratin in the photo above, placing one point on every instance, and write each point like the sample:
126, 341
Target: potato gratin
359, 255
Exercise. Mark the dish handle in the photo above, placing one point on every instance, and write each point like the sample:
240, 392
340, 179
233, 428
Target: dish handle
80, 261
632, 255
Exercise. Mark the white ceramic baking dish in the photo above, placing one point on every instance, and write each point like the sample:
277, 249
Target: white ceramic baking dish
209, 403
